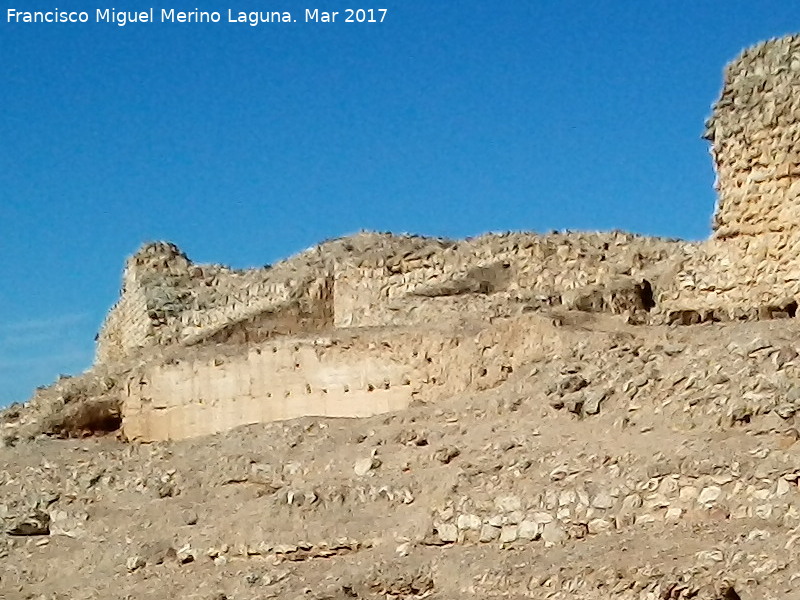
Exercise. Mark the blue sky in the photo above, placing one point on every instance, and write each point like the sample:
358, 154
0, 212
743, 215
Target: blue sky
246, 144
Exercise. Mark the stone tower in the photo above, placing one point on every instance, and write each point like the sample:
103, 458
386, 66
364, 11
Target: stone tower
133, 322
750, 268
755, 136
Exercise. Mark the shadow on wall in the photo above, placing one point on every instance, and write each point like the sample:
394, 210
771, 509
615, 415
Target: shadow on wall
784, 310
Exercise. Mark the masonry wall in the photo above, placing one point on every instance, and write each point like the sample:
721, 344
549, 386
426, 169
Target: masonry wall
751, 263
526, 269
369, 280
166, 300
127, 327
210, 389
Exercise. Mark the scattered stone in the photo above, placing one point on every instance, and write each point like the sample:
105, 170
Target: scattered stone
574, 403
365, 465
186, 554
134, 563
572, 383
166, 489
403, 549
35, 523
158, 552
446, 454
592, 402
68, 524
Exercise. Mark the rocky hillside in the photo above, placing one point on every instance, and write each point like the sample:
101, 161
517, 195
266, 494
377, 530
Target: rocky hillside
641, 462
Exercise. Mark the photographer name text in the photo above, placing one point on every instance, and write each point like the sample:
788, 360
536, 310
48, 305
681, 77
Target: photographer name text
170, 15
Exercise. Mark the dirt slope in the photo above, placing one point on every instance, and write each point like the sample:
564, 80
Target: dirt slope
643, 462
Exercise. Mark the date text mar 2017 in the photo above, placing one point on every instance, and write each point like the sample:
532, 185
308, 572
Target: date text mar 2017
351, 15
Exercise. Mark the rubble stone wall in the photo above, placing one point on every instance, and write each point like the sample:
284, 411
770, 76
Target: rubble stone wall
126, 327
390, 280
166, 299
751, 263
538, 270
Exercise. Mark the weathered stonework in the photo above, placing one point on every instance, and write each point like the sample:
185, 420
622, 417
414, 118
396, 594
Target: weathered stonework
355, 326
750, 266
368, 323
373, 280
345, 374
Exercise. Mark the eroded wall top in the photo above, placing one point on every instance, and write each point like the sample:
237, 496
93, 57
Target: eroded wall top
750, 268
167, 299
755, 137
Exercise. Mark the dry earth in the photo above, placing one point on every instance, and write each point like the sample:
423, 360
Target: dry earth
646, 462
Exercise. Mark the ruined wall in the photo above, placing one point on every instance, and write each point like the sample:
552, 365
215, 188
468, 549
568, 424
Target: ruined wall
493, 272
371, 280
166, 299
360, 292
755, 136
208, 389
145, 301
751, 263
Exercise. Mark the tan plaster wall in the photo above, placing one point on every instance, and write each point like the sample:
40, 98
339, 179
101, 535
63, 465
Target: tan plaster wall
287, 380
350, 374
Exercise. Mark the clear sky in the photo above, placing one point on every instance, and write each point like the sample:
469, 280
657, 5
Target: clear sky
244, 145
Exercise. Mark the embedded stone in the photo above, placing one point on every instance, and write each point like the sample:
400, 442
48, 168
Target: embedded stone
472, 522
489, 533
553, 534
599, 526
709, 495
529, 530
448, 533
508, 534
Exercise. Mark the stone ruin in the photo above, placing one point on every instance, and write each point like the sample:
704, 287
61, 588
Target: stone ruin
353, 327
750, 267
372, 322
